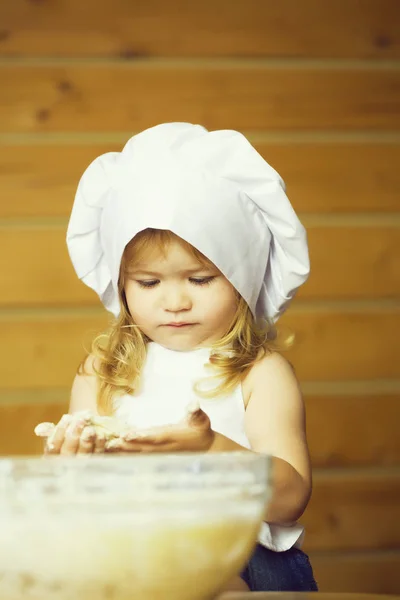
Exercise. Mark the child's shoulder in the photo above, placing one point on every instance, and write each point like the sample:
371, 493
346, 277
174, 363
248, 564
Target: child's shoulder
84, 387
89, 366
270, 372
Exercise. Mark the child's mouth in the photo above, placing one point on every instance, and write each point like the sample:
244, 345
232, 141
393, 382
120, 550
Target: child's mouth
178, 325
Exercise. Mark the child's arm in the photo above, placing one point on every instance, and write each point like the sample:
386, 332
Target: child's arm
275, 425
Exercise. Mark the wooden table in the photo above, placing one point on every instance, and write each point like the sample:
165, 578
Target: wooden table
304, 596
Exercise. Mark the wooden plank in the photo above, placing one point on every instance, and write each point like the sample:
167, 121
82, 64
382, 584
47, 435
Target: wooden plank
104, 96
218, 27
353, 262
367, 436
368, 572
354, 510
332, 345
41, 180
343, 343
49, 345
363, 429
338, 177
40, 264
299, 595
347, 263
17, 422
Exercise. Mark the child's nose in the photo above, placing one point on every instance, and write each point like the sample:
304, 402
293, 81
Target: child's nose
177, 300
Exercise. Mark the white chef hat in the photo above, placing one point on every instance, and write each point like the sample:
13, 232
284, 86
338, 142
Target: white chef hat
210, 188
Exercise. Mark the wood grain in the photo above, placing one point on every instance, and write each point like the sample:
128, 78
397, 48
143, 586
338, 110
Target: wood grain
347, 263
337, 177
17, 422
211, 28
104, 97
353, 262
358, 430
368, 572
353, 510
343, 343
41, 180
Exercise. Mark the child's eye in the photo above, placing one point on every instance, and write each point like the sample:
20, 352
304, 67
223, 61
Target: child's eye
201, 280
148, 284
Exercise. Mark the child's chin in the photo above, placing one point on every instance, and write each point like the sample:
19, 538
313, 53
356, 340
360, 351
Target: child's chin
179, 344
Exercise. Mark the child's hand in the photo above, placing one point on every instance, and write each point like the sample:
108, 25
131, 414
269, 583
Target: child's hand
192, 434
72, 435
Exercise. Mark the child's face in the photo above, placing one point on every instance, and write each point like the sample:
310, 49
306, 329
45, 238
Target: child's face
175, 289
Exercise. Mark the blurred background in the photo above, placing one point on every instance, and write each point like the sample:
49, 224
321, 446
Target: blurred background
315, 85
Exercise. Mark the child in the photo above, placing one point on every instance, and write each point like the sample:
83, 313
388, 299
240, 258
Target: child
189, 239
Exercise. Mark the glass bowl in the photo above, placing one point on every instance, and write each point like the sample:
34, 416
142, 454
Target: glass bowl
143, 527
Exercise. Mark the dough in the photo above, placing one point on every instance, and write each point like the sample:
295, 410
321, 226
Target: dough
110, 427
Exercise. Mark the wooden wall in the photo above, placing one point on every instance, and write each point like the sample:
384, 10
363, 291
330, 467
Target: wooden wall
316, 87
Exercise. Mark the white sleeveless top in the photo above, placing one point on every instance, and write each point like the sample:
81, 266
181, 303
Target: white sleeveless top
165, 391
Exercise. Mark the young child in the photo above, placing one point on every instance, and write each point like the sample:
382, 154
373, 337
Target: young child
189, 239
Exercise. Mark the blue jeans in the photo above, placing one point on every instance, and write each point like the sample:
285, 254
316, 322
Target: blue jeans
269, 571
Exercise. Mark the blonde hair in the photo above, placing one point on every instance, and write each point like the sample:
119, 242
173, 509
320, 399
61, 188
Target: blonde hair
120, 352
